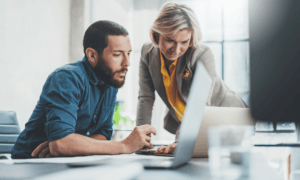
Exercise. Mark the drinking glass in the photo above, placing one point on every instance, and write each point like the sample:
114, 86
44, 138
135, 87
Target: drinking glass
229, 151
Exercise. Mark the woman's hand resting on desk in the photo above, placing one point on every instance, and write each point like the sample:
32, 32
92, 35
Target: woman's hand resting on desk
166, 149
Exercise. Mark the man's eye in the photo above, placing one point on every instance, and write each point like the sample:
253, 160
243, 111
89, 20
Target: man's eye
128, 54
185, 42
171, 41
116, 55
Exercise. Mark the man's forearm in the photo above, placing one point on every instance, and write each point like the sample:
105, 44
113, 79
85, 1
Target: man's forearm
98, 137
79, 145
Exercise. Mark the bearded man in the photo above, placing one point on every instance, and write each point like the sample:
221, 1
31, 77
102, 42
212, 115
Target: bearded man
73, 116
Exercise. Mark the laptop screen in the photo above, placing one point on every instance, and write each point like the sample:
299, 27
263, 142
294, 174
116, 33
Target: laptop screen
192, 117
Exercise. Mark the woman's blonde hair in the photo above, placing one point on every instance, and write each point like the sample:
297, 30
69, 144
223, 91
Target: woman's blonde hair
172, 18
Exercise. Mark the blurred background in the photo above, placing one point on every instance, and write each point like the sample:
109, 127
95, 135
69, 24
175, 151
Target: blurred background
37, 36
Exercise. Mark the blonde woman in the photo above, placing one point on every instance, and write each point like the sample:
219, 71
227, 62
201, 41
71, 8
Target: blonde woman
168, 64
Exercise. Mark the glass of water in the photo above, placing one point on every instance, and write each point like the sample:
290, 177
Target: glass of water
229, 151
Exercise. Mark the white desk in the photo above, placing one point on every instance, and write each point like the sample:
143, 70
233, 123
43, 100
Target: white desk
197, 168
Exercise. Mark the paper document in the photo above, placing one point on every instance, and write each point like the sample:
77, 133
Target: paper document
77, 159
53, 160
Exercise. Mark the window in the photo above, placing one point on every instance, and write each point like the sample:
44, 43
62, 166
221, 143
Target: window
224, 25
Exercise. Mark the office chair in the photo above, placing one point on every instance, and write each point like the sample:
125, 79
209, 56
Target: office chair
9, 131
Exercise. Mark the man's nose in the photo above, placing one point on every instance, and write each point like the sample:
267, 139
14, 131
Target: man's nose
126, 60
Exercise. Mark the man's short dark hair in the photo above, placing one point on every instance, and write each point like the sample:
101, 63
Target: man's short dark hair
96, 36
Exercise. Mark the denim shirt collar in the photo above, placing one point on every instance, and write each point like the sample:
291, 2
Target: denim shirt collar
91, 74
90, 71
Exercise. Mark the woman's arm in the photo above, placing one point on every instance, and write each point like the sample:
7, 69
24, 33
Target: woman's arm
146, 93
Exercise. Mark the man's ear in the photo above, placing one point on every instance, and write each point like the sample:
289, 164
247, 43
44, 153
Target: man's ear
92, 56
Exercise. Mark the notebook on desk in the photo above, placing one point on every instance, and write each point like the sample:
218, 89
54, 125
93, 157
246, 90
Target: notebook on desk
189, 127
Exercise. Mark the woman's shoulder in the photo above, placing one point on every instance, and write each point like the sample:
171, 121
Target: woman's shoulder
200, 52
200, 49
147, 48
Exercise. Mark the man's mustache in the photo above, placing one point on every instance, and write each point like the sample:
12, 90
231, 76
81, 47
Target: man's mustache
125, 69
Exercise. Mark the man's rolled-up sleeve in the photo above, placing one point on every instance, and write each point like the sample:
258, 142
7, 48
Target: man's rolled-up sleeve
106, 128
61, 96
106, 131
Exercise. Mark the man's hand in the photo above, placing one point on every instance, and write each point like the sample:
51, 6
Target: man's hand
42, 150
166, 149
139, 138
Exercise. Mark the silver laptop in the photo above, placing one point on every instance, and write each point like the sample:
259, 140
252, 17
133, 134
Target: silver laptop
212, 116
220, 116
189, 129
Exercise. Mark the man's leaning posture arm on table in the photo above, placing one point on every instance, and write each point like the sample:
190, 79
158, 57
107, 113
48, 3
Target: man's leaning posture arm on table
73, 116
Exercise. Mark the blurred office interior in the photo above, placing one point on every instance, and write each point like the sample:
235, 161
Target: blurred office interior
37, 36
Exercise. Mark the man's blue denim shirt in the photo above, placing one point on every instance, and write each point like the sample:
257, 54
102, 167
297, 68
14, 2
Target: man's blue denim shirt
73, 100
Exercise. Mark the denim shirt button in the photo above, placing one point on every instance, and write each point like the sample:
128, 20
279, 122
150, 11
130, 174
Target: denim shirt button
94, 116
88, 133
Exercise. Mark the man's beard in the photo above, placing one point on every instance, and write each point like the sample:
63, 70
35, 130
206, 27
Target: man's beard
104, 72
